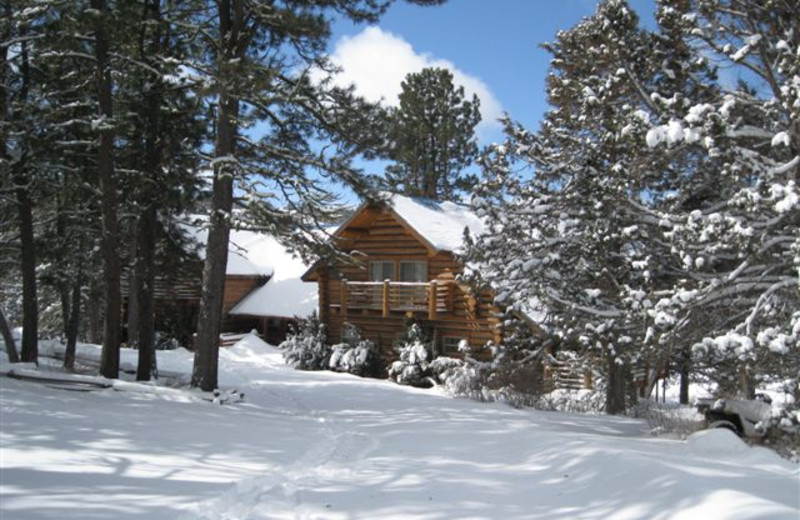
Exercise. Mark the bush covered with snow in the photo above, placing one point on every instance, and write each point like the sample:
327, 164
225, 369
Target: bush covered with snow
361, 359
575, 401
305, 347
782, 428
414, 350
163, 341
511, 379
357, 356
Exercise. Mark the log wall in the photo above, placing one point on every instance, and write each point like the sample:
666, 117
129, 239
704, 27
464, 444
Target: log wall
473, 318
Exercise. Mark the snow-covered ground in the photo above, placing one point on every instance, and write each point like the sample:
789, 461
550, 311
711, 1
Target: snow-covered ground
333, 446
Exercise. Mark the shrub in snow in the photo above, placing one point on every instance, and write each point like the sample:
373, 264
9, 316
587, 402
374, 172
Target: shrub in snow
782, 428
415, 355
305, 347
356, 356
575, 401
165, 342
509, 377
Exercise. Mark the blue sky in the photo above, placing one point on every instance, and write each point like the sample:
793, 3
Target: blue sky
492, 46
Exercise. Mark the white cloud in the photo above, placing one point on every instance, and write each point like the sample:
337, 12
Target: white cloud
377, 61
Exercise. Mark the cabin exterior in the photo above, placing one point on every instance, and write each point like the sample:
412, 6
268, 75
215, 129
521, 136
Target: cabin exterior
263, 290
405, 268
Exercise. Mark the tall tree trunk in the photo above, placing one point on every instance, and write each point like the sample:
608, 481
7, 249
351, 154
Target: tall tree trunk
66, 300
204, 373
94, 317
145, 266
30, 304
74, 321
684, 369
63, 284
8, 339
109, 359
615, 390
148, 223
134, 290
23, 183
5, 330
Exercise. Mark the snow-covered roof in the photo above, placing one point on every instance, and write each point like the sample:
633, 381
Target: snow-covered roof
285, 294
257, 254
280, 298
440, 223
249, 253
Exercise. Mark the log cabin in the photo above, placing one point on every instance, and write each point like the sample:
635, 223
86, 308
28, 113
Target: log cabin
404, 267
263, 290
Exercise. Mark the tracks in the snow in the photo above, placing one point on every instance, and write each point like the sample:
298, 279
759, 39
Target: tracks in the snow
279, 493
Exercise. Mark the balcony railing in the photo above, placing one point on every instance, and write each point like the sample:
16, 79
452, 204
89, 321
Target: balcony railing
434, 297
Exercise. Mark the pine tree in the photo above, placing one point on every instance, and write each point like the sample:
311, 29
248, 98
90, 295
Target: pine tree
740, 301
164, 134
256, 69
19, 145
432, 137
581, 239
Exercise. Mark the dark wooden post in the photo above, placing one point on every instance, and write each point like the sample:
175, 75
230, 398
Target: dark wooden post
385, 302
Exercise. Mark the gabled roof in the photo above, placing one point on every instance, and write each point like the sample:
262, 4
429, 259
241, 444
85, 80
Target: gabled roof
439, 226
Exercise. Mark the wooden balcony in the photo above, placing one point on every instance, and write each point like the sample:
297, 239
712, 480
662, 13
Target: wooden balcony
434, 297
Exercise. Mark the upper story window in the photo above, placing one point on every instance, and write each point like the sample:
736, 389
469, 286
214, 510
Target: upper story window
413, 271
380, 270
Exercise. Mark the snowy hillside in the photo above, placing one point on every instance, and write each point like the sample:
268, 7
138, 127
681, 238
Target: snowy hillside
325, 445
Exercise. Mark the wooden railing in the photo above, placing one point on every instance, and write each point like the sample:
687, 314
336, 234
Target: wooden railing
434, 297
567, 374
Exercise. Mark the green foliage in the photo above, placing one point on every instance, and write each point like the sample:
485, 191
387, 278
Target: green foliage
415, 354
432, 137
656, 207
357, 356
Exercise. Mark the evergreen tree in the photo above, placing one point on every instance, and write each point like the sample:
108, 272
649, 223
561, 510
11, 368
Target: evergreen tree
164, 134
18, 155
256, 69
740, 301
432, 137
579, 238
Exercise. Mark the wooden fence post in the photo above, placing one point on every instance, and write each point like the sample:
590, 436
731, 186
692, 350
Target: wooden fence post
385, 302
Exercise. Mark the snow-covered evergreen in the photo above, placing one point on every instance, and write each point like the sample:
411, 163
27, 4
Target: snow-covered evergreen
659, 208
306, 346
414, 358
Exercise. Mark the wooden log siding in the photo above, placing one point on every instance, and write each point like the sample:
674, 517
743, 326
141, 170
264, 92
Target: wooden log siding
237, 287
384, 238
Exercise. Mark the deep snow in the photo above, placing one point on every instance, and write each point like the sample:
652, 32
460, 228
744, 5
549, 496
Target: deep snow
327, 445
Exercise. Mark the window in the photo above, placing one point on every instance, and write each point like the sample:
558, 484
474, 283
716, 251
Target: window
381, 270
453, 345
413, 271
